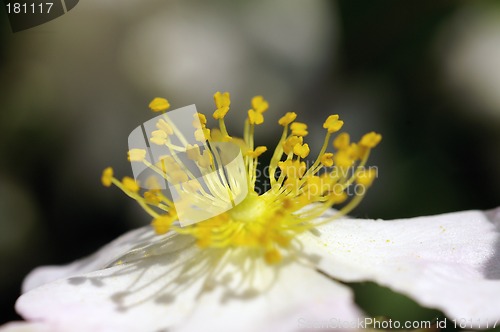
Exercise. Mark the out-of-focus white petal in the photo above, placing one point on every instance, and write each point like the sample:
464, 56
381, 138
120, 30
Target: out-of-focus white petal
468, 47
450, 262
182, 288
26, 327
136, 239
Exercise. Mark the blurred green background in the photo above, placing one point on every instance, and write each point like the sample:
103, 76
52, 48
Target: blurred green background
426, 74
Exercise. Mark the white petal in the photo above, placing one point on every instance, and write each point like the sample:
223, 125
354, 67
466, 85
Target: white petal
105, 256
174, 292
26, 327
450, 262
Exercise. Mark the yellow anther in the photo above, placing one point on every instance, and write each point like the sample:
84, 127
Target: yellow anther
328, 179
342, 141
288, 118
255, 117
333, 124
352, 151
301, 150
152, 197
292, 183
300, 167
315, 186
371, 140
286, 166
327, 159
272, 256
164, 126
222, 99
365, 177
338, 197
136, 154
152, 183
217, 136
107, 176
193, 152
163, 223
159, 133
290, 142
303, 200
205, 160
257, 152
169, 163
130, 184
178, 176
200, 120
299, 129
204, 237
159, 105
259, 104
292, 168
202, 134
220, 113
343, 160
161, 165
158, 137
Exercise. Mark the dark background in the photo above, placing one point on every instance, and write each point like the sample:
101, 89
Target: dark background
70, 94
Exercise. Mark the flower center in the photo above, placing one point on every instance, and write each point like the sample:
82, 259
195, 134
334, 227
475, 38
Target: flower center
300, 191
252, 209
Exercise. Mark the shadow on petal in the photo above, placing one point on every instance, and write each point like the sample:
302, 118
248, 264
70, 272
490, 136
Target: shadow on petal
492, 268
160, 273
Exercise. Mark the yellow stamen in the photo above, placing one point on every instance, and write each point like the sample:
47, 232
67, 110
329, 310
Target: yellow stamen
366, 177
343, 160
269, 222
158, 137
202, 134
130, 184
287, 118
255, 117
341, 141
107, 175
327, 159
165, 127
299, 129
136, 154
333, 124
301, 150
290, 143
272, 256
205, 160
163, 223
159, 105
222, 99
370, 140
257, 152
220, 113
259, 104
199, 120
193, 152
152, 197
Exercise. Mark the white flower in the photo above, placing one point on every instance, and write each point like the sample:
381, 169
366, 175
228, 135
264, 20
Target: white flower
271, 262
449, 262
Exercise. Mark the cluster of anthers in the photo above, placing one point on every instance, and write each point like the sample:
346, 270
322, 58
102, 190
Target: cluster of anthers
268, 223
